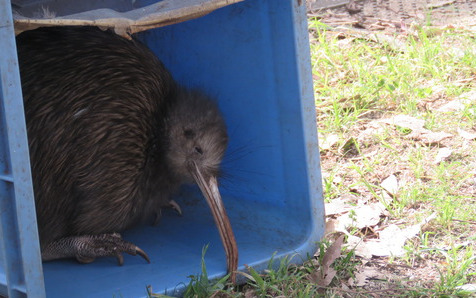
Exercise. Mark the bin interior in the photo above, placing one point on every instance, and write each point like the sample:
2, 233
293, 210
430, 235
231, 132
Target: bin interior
244, 55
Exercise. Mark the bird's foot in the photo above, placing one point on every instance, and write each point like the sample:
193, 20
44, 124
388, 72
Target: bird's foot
87, 248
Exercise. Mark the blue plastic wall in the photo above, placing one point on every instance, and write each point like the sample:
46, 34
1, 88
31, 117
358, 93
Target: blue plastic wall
20, 265
253, 57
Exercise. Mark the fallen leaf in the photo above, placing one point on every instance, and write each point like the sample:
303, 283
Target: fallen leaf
471, 288
390, 184
362, 217
394, 238
333, 252
336, 180
359, 247
326, 279
466, 135
443, 154
250, 294
439, 4
390, 243
327, 142
389, 41
429, 137
337, 206
330, 226
345, 287
323, 277
391, 240
406, 122
468, 97
460, 103
363, 276
454, 105
455, 246
418, 131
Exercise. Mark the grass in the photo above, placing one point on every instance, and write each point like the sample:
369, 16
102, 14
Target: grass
374, 75
360, 79
200, 285
280, 279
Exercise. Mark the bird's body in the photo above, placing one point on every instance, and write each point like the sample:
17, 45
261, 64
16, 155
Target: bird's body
111, 134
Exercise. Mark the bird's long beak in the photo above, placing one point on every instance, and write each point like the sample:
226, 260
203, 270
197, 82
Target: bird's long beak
209, 188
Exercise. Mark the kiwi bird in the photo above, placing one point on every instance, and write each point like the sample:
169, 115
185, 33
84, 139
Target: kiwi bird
112, 137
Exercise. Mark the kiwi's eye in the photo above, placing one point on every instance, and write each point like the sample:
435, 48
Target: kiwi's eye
188, 133
198, 150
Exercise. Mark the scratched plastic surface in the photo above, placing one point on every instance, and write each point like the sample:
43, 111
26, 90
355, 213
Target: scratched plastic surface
253, 57
175, 248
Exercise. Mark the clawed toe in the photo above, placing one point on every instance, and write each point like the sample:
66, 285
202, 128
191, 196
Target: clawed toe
84, 259
157, 215
176, 207
114, 245
142, 253
87, 248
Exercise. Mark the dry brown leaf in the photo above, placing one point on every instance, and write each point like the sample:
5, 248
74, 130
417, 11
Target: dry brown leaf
250, 294
406, 122
429, 137
337, 206
359, 247
466, 135
391, 242
443, 154
362, 217
326, 273
389, 41
327, 277
327, 142
331, 225
454, 105
467, 288
390, 184
416, 126
439, 4
333, 252
344, 287
459, 103
363, 275
468, 97
455, 246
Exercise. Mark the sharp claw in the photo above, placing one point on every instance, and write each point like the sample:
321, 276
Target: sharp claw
142, 253
120, 259
175, 206
84, 260
158, 216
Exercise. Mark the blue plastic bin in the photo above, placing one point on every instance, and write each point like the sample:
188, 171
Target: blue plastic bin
253, 57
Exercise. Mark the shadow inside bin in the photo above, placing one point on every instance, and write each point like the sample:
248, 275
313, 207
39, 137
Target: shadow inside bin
175, 248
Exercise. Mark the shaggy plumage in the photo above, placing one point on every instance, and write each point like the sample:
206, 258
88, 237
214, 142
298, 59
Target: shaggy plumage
111, 135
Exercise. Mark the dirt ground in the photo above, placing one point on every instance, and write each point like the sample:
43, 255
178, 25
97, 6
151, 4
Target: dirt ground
384, 277
380, 14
